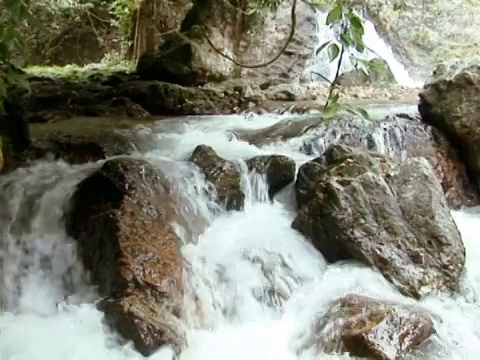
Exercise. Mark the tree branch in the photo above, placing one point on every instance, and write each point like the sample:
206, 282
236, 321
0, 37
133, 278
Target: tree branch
256, 66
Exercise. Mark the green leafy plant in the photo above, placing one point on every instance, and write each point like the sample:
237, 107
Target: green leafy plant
350, 31
12, 43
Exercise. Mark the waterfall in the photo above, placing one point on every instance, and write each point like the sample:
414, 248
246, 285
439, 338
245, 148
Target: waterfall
259, 282
377, 47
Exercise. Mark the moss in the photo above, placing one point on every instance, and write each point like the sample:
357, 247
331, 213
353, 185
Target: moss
75, 72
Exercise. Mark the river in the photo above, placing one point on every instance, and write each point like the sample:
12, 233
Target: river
48, 309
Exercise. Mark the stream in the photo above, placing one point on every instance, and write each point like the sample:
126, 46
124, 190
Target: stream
48, 307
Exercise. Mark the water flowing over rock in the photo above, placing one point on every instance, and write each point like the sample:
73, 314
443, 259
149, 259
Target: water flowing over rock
279, 171
223, 175
451, 103
394, 217
399, 137
120, 217
371, 329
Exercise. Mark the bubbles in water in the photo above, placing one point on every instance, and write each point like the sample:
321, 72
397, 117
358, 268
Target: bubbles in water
253, 284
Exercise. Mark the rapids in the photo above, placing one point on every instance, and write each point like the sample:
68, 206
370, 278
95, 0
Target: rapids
48, 309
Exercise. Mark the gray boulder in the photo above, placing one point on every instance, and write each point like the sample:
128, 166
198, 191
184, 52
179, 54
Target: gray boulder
359, 205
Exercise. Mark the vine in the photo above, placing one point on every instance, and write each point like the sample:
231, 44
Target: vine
350, 32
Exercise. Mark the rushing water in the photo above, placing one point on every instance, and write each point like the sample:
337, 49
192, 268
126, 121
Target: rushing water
48, 310
377, 47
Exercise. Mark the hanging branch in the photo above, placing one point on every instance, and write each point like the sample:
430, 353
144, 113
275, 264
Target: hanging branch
256, 66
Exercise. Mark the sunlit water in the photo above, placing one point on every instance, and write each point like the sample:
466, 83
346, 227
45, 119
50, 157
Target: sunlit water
259, 282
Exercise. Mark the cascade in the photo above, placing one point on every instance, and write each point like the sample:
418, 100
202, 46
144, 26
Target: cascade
47, 308
377, 47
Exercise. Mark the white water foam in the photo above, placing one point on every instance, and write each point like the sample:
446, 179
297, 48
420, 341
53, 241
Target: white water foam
377, 47
260, 282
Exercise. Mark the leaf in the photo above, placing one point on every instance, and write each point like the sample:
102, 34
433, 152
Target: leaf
330, 110
357, 110
357, 24
319, 50
333, 51
376, 65
335, 14
334, 98
346, 40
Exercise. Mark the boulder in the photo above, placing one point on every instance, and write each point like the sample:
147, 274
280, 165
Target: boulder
368, 328
223, 175
120, 216
279, 171
451, 103
122, 97
161, 98
287, 92
186, 57
359, 205
399, 136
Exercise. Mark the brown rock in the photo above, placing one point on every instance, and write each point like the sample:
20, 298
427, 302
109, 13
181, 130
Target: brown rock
278, 169
120, 216
451, 103
394, 217
371, 329
223, 175
186, 58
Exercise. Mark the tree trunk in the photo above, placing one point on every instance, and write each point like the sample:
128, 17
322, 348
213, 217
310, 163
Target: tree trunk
143, 30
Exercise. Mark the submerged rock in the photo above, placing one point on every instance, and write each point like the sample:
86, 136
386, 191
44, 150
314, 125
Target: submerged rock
120, 216
279, 171
370, 329
451, 103
394, 217
222, 174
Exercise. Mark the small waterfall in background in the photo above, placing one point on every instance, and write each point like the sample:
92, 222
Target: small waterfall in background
377, 48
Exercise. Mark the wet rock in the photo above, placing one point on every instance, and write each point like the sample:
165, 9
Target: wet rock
399, 137
120, 216
76, 150
279, 171
287, 92
123, 97
161, 98
137, 317
450, 103
222, 174
359, 205
371, 329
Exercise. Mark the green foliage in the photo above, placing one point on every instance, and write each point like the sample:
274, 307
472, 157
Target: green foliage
122, 13
350, 31
15, 14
